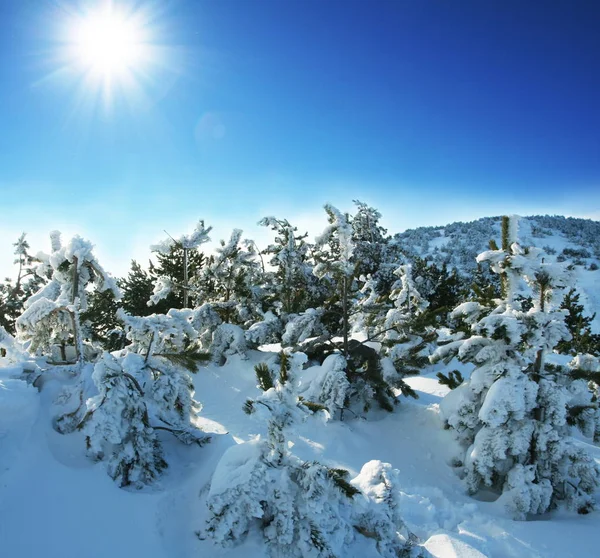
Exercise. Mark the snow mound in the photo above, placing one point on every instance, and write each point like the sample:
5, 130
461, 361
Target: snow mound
447, 546
19, 403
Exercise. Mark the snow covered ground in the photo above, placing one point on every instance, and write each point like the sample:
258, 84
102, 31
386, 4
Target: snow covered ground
56, 503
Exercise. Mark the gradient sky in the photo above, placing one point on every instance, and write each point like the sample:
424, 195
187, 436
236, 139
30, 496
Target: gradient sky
433, 111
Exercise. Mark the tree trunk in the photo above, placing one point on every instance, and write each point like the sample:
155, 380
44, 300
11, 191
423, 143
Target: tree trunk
345, 314
185, 277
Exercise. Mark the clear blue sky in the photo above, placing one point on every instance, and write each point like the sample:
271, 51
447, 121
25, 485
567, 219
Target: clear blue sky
431, 110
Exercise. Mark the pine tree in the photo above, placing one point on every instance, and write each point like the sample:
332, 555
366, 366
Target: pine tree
52, 315
290, 284
232, 281
14, 295
511, 416
582, 339
334, 255
443, 289
178, 260
117, 427
369, 239
99, 322
137, 288
164, 350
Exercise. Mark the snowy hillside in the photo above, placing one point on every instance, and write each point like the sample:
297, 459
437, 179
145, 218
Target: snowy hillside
564, 239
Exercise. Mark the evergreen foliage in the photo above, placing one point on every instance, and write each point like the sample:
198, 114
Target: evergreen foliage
99, 322
117, 427
232, 281
178, 260
452, 380
138, 286
291, 283
582, 339
14, 295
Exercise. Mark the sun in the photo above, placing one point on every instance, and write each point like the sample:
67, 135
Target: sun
113, 53
109, 43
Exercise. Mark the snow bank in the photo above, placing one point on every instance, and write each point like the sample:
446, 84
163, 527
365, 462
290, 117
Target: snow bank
19, 403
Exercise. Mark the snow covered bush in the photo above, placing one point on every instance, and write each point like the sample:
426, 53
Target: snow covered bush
304, 509
162, 353
10, 348
268, 330
327, 384
141, 389
117, 427
511, 416
300, 327
227, 340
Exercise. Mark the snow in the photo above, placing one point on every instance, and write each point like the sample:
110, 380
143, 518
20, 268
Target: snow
447, 546
49, 485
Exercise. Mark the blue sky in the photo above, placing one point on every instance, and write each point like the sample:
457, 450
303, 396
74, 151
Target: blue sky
433, 111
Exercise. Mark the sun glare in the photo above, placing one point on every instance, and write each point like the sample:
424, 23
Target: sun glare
112, 53
109, 43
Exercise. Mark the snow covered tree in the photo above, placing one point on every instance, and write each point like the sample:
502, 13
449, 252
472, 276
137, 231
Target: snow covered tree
304, 508
142, 389
442, 288
291, 279
369, 239
406, 329
14, 295
511, 415
335, 262
370, 308
52, 315
584, 386
582, 339
177, 259
232, 281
